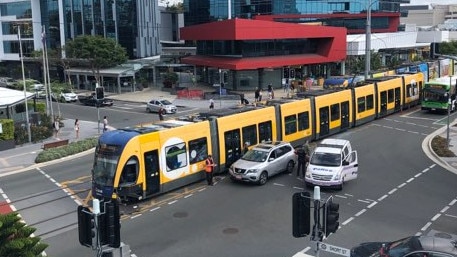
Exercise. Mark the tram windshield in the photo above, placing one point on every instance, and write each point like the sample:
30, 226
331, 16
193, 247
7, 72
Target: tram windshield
326, 159
105, 169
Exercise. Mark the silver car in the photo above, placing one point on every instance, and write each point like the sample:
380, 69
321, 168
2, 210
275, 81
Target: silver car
263, 161
155, 105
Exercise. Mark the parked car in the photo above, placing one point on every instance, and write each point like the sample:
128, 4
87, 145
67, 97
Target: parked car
263, 161
68, 96
155, 105
7, 82
92, 100
434, 244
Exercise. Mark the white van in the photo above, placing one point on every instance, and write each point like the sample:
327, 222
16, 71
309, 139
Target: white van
331, 164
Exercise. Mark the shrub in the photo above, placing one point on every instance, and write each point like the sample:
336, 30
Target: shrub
70, 149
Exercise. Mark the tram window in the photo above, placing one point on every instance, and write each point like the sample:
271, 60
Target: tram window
303, 121
250, 134
390, 95
370, 102
150, 162
290, 123
360, 104
335, 111
130, 171
265, 131
176, 156
198, 150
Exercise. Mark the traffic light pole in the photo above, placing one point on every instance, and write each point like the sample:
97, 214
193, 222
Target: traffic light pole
317, 226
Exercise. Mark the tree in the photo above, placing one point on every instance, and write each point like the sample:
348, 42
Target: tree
448, 48
95, 52
15, 238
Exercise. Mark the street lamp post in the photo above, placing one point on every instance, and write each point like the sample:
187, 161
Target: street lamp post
220, 88
24, 84
368, 40
448, 114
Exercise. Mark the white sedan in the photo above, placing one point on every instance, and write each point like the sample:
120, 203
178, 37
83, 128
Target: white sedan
68, 96
155, 105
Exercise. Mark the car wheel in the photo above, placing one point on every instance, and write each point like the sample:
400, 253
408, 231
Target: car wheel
341, 186
290, 167
148, 110
263, 178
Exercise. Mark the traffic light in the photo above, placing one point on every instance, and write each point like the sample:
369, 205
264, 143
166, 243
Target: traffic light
286, 74
301, 216
331, 217
225, 79
292, 73
110, 227
99, 93
434, 50
87, 229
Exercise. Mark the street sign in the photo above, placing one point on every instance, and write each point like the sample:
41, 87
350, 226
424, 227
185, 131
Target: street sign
334, 249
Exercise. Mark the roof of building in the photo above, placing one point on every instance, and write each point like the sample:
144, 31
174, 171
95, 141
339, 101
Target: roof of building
10, 97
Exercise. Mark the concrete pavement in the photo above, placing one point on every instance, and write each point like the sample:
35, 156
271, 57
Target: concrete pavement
22, 157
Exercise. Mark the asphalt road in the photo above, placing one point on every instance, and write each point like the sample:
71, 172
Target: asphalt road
399, 192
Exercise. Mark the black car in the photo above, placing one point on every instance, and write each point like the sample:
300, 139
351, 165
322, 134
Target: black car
92, 101
434, 244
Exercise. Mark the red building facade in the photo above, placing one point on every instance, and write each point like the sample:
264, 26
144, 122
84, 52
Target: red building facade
245, 54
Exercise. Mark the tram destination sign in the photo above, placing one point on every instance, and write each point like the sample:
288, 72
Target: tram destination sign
334, 249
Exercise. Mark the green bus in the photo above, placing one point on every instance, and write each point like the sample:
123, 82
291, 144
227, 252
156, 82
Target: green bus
439, 94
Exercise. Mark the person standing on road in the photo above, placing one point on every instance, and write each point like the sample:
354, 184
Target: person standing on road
161, 113
301, 159
209, 170
105, 123
211, 104
77, 128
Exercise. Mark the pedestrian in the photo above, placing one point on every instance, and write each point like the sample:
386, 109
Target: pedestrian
260, 95
246, 148
256, 95
307, 152
161, 113
56, 126
211, 104
301, 159
77, 128
105, 123
209, 170
271, 93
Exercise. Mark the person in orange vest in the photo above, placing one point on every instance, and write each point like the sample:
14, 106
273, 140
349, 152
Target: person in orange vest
209, 169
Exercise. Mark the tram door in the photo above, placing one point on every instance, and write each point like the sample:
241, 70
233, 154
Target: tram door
324, 121
344, 115
397, 100
151, 165
232, 146
383, 104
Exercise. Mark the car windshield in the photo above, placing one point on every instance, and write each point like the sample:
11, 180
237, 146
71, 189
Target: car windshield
326, 159
165, 102
403, 246
105, 169
66, 91
255, 156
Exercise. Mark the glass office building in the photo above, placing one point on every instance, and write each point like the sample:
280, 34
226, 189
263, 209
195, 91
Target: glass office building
203, 11
134, 24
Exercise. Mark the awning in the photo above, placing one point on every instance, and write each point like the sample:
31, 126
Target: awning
9, 97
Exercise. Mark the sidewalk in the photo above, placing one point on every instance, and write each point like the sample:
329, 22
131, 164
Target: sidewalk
23, 157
